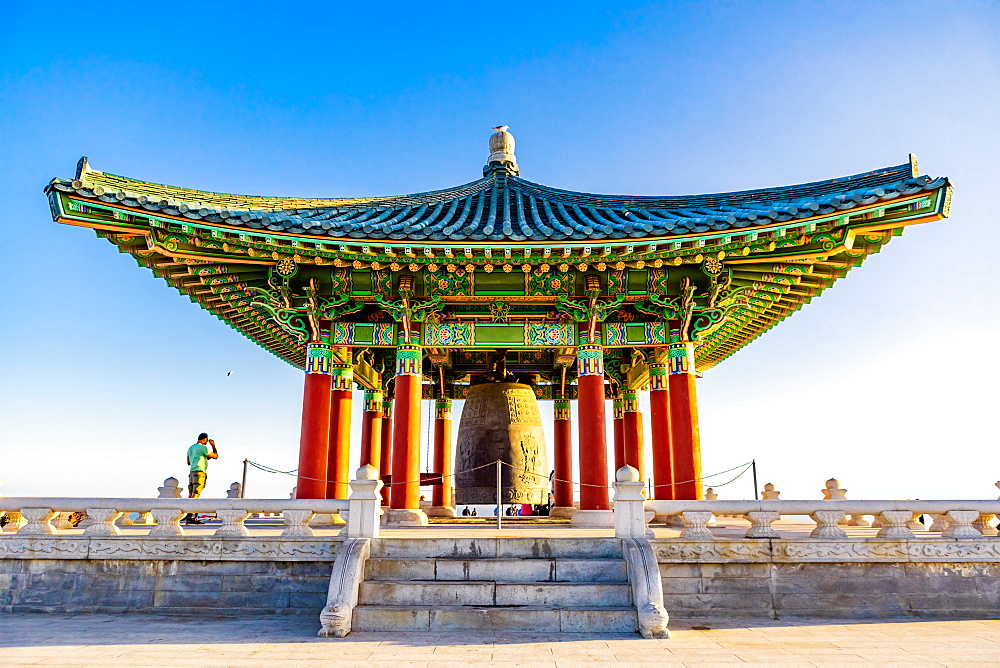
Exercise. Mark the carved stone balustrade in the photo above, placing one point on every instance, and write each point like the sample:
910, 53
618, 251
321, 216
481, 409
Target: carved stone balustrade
956, 520
760, 524
827, 524
960, 525
696, 525
232, 522
102, 522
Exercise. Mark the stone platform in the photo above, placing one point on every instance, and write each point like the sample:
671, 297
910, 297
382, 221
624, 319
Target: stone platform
154, 640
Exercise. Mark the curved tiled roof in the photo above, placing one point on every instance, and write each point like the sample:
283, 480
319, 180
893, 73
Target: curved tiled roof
501, 207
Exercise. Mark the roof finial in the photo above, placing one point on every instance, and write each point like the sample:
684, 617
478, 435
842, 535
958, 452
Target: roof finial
501, 151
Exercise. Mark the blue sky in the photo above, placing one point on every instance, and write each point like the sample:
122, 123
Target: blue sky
886, 381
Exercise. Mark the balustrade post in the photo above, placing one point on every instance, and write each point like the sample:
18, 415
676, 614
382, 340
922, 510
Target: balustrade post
365, 504
629, 505
960, 526
696, 525
168, 522
297, 523
894, 524
103, 522
232, 522
38, 522
827, 524
760, 524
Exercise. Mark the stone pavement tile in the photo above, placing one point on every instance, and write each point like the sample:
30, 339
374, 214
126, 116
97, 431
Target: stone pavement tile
504, 664
820, 659
689, 644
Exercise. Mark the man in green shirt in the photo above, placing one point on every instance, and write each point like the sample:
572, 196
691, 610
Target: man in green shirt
197, 458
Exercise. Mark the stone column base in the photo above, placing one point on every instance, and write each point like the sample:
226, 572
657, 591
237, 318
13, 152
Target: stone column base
562, 512
405, 517
596, 519
441, 511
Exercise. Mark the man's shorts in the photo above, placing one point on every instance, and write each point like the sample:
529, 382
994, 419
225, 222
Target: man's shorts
196, 483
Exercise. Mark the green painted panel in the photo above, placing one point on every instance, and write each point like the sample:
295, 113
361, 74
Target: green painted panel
364, 332
636, 282
500, 334
361, 282
635, 333
499, 283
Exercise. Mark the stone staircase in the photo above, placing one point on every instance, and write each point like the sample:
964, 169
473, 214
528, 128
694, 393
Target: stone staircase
569, 585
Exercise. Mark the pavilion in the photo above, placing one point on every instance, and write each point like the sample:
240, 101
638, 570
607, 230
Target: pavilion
589, 298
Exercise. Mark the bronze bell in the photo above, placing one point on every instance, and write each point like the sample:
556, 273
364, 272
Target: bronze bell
500, 420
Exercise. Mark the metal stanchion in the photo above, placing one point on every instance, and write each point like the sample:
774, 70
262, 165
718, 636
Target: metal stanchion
499, 506
243, 488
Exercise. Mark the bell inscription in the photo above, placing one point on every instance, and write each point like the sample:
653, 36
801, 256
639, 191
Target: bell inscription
501, 421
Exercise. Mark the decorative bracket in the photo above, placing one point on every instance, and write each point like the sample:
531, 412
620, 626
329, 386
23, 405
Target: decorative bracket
304, 319
593, 310
406, 311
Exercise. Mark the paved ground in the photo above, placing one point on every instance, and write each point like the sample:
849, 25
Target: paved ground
104, 640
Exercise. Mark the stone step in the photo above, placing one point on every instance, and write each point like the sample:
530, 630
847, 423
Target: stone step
482, 593
537, 618
503, 548
509, 570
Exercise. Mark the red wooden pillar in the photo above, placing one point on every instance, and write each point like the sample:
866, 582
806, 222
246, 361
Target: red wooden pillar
659, 426
618, 429
685, 434
441, 496
634, 452
593, 442
315, 434
385, 456
406, 430
338, 465
563, 451
371, 429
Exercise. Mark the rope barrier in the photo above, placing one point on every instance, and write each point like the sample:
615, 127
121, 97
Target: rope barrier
746, 467
268, 469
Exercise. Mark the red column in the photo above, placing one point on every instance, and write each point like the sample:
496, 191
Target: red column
371, 429
315, 434
563, 450
406, 429
635, 455
618, 429
684, 432
659, 426
441, 496
593, 443
385, 456
338, 466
